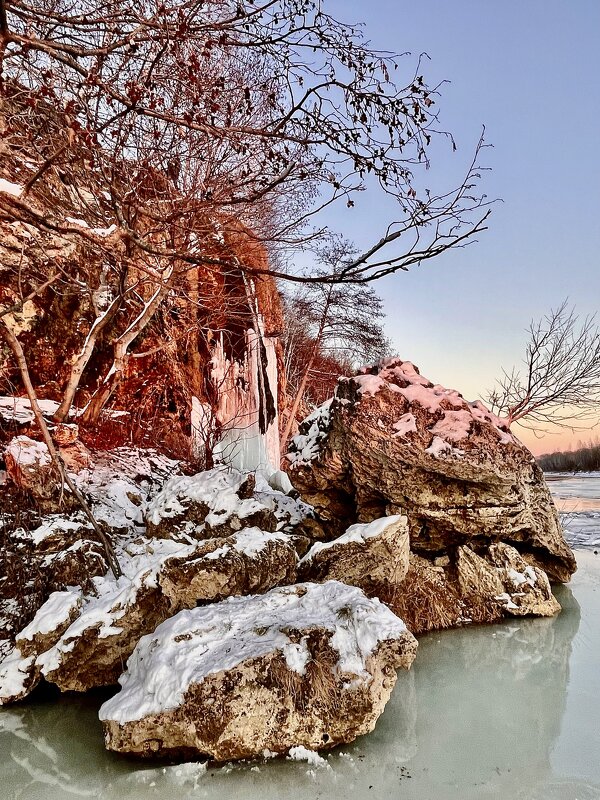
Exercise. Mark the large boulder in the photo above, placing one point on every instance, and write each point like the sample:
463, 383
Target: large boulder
470, 587
310, 665
393, 442
373, 556
248, 562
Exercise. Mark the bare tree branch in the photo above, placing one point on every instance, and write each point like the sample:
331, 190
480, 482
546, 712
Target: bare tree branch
560, 380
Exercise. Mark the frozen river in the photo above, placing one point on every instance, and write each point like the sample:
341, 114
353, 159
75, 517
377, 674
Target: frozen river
577, 497
505, 711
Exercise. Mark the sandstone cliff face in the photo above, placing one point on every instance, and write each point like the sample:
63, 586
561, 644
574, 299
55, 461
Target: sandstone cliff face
393, 442
306, 666
210, 342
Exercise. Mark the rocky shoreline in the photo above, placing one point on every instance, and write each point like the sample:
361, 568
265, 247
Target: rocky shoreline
248, 619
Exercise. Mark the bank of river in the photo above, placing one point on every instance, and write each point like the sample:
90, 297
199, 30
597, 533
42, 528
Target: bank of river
505, 711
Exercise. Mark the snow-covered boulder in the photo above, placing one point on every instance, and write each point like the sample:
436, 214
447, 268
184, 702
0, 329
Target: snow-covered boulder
29, 467
372, 555
247, 562
82, 645
392, 442
310, 666
217, 502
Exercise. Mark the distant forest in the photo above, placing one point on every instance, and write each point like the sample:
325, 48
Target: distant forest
585, 459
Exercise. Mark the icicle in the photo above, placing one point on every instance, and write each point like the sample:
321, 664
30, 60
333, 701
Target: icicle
244, 419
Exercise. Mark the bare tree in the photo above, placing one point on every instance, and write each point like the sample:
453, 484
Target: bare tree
559, 383
328, 320
175, 123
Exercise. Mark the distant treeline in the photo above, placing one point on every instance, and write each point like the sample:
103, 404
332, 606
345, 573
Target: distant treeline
585, 459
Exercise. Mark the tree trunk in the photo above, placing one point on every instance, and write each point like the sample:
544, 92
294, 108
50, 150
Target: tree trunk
15, 346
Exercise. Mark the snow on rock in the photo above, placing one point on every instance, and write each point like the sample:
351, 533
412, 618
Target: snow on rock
199, 642
56, 611
28, 453
372, 556
232, 665
453, 414
526, 584
90, 651
405, 425
439, 447
306, 445
120, 482
212, 497
395, 442
248, 561
500, 574
14, 189
161, 577
219, 502
16, 677
358, 533
56, 528
29, 467
18, 409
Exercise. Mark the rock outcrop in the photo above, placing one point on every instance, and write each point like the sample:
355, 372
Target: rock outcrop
85, 643
392, 442
310, 665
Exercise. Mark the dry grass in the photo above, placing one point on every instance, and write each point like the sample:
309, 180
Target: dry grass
318, 687
426, 600
429, 600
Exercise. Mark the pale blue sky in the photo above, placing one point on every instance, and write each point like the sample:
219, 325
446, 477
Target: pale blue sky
530, 71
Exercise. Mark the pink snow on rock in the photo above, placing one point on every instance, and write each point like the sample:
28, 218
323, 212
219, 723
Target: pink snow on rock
452, 416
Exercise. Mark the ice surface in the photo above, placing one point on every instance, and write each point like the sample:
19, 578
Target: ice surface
577, 497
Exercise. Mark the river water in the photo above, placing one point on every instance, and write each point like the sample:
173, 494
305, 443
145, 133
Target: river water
507, 711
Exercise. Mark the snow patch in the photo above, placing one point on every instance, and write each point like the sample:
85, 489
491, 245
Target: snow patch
406, 424
18, 409
14, 189
301, 753
28, 452
453, 426
54, 613
215, 488
358, 533
55, 524
306, 446
14, 674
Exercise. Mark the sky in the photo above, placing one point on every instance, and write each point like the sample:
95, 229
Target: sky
529, 71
